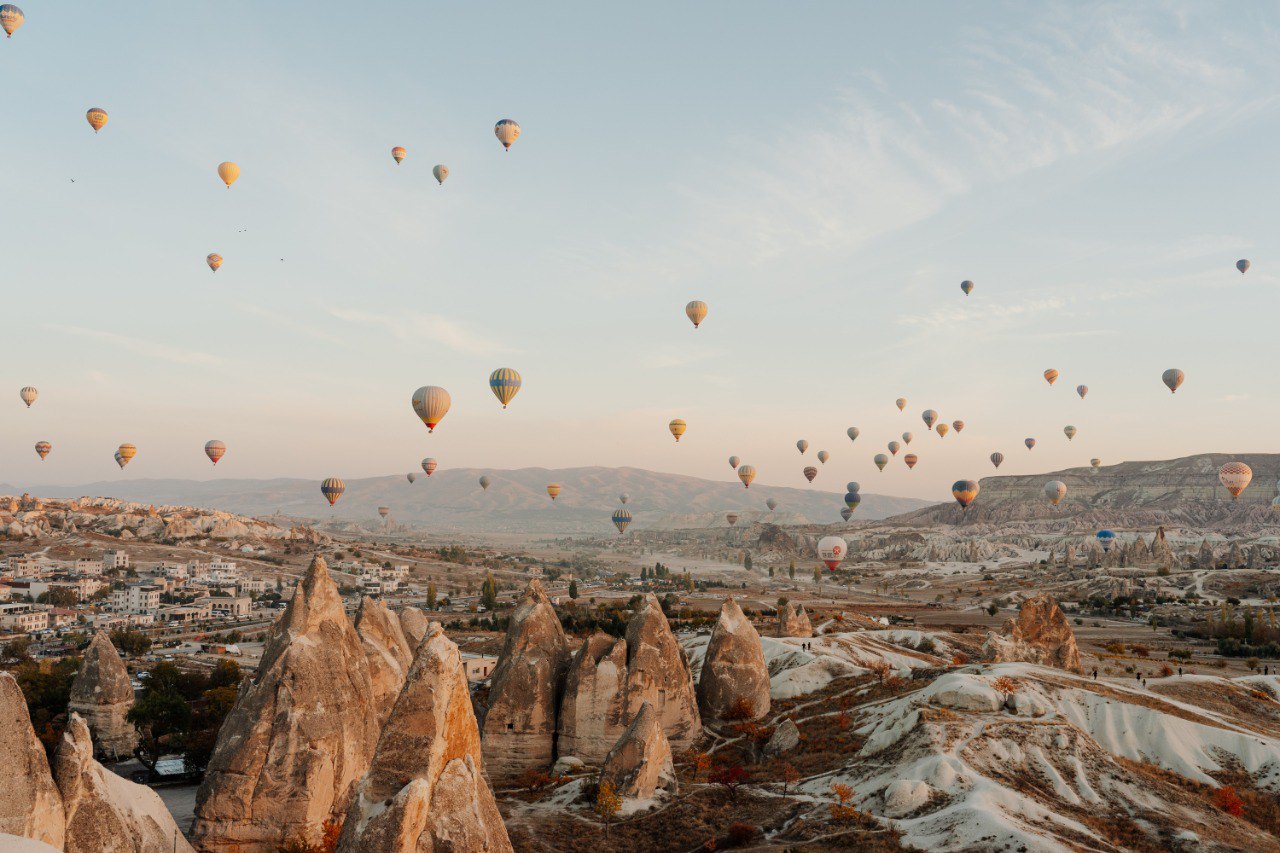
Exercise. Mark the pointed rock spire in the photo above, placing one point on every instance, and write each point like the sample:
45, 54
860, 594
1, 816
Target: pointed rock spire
102, 694
793, 621
413, 622
640, 763
386, 651
593, 711
658, 673
30, 805
734, 683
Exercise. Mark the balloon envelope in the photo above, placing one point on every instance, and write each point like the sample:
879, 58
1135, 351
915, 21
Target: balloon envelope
28, 395
621, 518
215, 450
97, 118
429, 465
384, 511
11, 18
553, 489
43, 448
1172, 378
911, 459
853, 433
894, 447
1106, 539
1050, 376
1055, 491
901, 403
930, 417
214, 261
771, 504
229, 172
398, 154
1243, 265
942, 430
906, 437
624, 497
746, 474
734, 462
997, 458
1069, 432
332, 489
852, 499
832, 551
1236, 477
696, 311
802, 446
852, 486
507, 132
1082, 390
958, 426
411, 476
847, 513
1029, 442
732, 518
431, 403
485, 480
964, 491
810, 472
881, 460
441, 172
505, 384
966, 286
677, 428
823, 456
1095, 462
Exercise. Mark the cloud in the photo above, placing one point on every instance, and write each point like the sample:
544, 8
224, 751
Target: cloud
676, 357
138, 346
413, 326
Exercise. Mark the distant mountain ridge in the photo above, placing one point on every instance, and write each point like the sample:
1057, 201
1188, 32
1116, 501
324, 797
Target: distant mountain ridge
516, 501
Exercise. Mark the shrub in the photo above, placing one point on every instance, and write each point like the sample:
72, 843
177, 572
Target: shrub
1114, 648
959, 659
842, 810
1140, 650
1226, 799
730, 778
741, 834
1166, 671
742, 709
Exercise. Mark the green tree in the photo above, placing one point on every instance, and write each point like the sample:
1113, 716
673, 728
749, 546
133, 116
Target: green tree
131, 643
225, 674
791, 570
489, 592
431, 595
59, 596
771, 571
573, 589
746, 562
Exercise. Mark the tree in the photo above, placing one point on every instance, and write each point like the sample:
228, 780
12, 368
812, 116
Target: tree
573, 589
791, 570
771, 571
843, 810
790, 776
701, 762
131, 643
17, 649
59, 596
608, 803
489, 593
730, 777
746, 562
431, 596
225, 674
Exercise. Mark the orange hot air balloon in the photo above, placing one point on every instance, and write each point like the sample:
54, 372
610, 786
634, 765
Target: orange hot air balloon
97, 118
1050, 376
214, 261
553, 489
397, 154
215, 450
965, 492
810, 472
911, 459
1236, 476
696, 311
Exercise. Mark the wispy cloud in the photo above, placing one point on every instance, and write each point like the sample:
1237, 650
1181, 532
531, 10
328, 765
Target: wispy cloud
138, 346
413, 326
676, 358
993, 317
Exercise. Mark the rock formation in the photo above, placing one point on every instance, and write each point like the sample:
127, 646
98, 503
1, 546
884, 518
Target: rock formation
593, 710
520, 721
425, 790
734, 683
30, 804
300, 735
658, 673
106, 813
102, 694
641, 762
785, 738
387, 652
793, 621
1041, 634
413, 622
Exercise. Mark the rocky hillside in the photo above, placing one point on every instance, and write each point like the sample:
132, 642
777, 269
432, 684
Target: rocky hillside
516, 501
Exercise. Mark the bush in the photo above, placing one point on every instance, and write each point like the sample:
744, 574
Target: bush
742, 709
1226, 799
741, 834
1140, 650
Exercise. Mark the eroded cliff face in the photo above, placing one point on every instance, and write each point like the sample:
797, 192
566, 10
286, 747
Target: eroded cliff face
1041, 634
593, 710
30, 804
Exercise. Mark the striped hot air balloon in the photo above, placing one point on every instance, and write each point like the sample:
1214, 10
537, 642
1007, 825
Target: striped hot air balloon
621, 518
958, 426
1029, 442
429, 465
431, 403
398, 154
505, 384
965, 492
507, 132
732, 518
677, 428
810, 473
997, 458
215, 450
11, 18
332, 489
384, 511
746, 474
28, 395
553, 489
930, 417
43, 448
127, 452
696, 311
97, 118
1236, 476
1051, 376
1082, 390
911, 459
441, 173
214, 260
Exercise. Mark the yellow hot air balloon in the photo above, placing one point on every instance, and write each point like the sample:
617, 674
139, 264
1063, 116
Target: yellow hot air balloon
677, 428
28, 395
965, 492
441, 173
507, 132
505, 384
332, 489
553, 489
398, 154
431, 403
214, 261
746, 474
125, 454
1051, 376
696, 311
228, 171
97, 118
942, 430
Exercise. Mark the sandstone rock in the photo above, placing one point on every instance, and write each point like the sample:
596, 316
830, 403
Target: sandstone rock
593, 710
640, 763
413, 622
904, 796
658, 673
386, 651
520, 722
107, 813
785, 738
30, 804
102, 694
567, 764
734, 671
300, 736
793, 621
966, 695
1041, 635
425, 790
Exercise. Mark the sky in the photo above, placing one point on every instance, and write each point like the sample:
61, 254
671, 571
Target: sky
823, 175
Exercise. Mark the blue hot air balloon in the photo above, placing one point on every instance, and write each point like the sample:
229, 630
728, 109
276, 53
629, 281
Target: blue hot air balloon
1106, 539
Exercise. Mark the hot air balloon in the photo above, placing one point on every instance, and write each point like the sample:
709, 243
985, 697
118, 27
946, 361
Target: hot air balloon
677, 428
1235, 476
411, 476
847, 513
696, 311
823, 456
505, 384
228, 171
802, 446
384, 511
771, 504
28, 395
832, 550
127, 452
431, 403
965, 492
853, 433
732, 518
1095, 462
441, 172
485, 480
942, 430
894, 447
901, 403
930, 417
906, 437
215, 450
1050, 376
1243, 265
1173, 379
734, 462
397, 154
810, 472
911, 459
1069, 431
997, 458
1029, 442
97, 118
214, 261
853, 486
966, 286
1106, 539
43, 448
1082, 390
332, 489
1055, 491
852, 499
120, 460
958, 426
624, 497
621, 518
746, 474
11, 18
429, 465
881, 460
553, 489
507, 132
